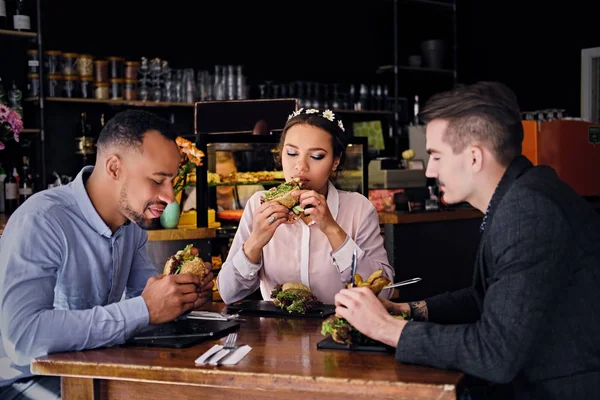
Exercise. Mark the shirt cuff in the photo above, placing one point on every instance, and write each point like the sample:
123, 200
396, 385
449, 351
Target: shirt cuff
136, 315
342, 257
246, 268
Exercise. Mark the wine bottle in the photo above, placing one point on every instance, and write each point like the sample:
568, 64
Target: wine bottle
21, 19
3, 15
11, 192
26, 182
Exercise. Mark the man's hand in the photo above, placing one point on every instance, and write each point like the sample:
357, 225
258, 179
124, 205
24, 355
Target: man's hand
361, 308
205, 289
395, 308
167, 297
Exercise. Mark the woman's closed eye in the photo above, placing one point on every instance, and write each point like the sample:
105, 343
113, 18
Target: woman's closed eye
318, 156
291, 153
156, 182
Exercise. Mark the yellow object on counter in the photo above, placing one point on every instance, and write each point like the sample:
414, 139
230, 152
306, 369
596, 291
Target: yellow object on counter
187, 220
408, 154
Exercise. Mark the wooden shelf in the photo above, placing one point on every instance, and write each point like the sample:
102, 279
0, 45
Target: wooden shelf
390, 68
159, 234
30, 131
433, 3
363, 112
16, 34
170, 104
181, 234
430, 216
119, 102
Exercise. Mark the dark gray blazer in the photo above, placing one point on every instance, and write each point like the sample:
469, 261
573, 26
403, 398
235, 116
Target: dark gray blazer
532, 316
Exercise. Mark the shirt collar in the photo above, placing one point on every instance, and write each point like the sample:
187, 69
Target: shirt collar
85, 204
515, 169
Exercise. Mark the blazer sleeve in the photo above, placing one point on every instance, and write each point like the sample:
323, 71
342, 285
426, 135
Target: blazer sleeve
530, 249
458, 307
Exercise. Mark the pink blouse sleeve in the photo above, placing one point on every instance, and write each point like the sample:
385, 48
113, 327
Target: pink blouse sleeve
371, 253
238, 277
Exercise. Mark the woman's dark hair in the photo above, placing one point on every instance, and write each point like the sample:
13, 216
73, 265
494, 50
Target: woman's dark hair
127, 129
339, 138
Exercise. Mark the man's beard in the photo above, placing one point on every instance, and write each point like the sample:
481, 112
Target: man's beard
131, 214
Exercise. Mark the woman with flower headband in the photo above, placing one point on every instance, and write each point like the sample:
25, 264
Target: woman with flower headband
269, 249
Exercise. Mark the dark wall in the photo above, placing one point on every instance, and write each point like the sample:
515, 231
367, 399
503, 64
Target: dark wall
527, 44
533, 46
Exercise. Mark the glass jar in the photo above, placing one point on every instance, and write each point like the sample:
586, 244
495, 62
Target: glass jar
129, 93
69, 64
85, 65
116, 89
33, 61
101, 67
102, 92
131, 70
53, 62
71, 86
33, 84
54, 85
86, 90
116, 65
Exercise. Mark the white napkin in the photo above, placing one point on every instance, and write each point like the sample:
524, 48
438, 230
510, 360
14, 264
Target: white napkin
232, 358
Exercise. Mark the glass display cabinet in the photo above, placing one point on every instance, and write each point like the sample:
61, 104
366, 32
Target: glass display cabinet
238, 165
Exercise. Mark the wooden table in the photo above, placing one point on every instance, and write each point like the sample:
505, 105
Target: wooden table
284, 362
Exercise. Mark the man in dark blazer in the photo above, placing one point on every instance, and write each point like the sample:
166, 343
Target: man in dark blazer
531, 319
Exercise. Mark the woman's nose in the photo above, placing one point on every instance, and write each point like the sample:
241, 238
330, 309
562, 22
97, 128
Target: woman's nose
301, 165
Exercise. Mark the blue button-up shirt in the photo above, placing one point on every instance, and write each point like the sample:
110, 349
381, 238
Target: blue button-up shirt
66, 281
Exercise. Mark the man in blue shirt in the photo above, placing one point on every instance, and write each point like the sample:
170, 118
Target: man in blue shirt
74, 273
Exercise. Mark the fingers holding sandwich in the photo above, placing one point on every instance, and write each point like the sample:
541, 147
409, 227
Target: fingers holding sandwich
267, 218
169, 296
315, 206
185, 284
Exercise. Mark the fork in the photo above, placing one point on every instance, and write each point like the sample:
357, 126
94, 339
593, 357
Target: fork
226, 350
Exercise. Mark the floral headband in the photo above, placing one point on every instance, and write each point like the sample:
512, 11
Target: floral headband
325, 114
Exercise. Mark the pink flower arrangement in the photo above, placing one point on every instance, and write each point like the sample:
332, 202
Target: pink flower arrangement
11, 124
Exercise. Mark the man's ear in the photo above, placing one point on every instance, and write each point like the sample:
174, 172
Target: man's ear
114, 167
476, 155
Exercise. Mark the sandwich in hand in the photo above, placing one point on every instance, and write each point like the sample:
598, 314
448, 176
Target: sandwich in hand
340, 329
283, 195
186, 261
343, 332
295, 297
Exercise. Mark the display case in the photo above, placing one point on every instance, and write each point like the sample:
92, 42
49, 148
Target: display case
238, 165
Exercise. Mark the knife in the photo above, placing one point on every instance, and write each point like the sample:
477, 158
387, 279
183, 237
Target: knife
406, 282
354, 262
189, 335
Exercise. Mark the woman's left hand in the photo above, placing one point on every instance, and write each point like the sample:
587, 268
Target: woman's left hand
319, 212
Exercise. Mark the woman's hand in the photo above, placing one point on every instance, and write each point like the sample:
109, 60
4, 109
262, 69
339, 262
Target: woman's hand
321, 215
315, 205
267, 217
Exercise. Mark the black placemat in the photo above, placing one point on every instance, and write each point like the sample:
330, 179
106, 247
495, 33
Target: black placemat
210, 330
330, 344
267, 308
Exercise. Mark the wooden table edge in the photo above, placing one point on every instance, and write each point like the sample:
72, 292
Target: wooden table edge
227, 377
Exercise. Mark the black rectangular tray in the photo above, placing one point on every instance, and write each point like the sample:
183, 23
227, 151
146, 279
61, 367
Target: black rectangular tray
329, 344
268, 309
211, 329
